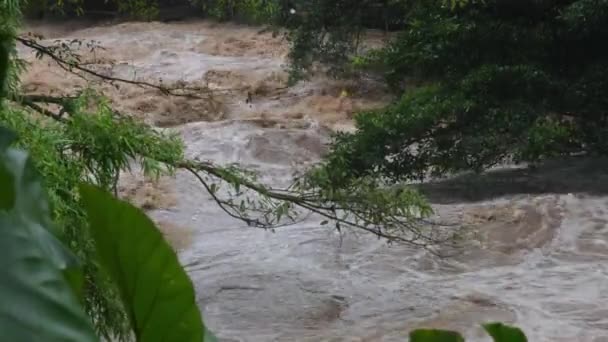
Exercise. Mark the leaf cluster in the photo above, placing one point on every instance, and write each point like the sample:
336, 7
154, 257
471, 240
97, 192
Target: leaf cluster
39, 274
485, 83
92, 147
42, 280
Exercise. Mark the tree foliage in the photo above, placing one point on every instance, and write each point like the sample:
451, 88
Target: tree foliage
252, 11
41, 285
329, 32
485, 83
38, 302
93, 147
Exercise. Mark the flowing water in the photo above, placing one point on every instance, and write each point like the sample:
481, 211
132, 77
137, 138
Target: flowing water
537, 258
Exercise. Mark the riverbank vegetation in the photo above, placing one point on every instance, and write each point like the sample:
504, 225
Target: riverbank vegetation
483, 84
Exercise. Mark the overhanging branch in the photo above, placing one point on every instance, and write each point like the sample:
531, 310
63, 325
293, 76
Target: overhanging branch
387, 223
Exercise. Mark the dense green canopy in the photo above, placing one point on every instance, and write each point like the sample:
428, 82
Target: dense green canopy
483, 84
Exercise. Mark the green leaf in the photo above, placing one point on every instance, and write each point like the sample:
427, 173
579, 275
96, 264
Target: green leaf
504, 333
75, 279
432, 335
32, 207
156, 292
37, 301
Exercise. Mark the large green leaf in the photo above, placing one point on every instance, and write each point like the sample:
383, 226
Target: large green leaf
30, 203
504, 333
25, 194
37, 301
432, 335
156, 292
